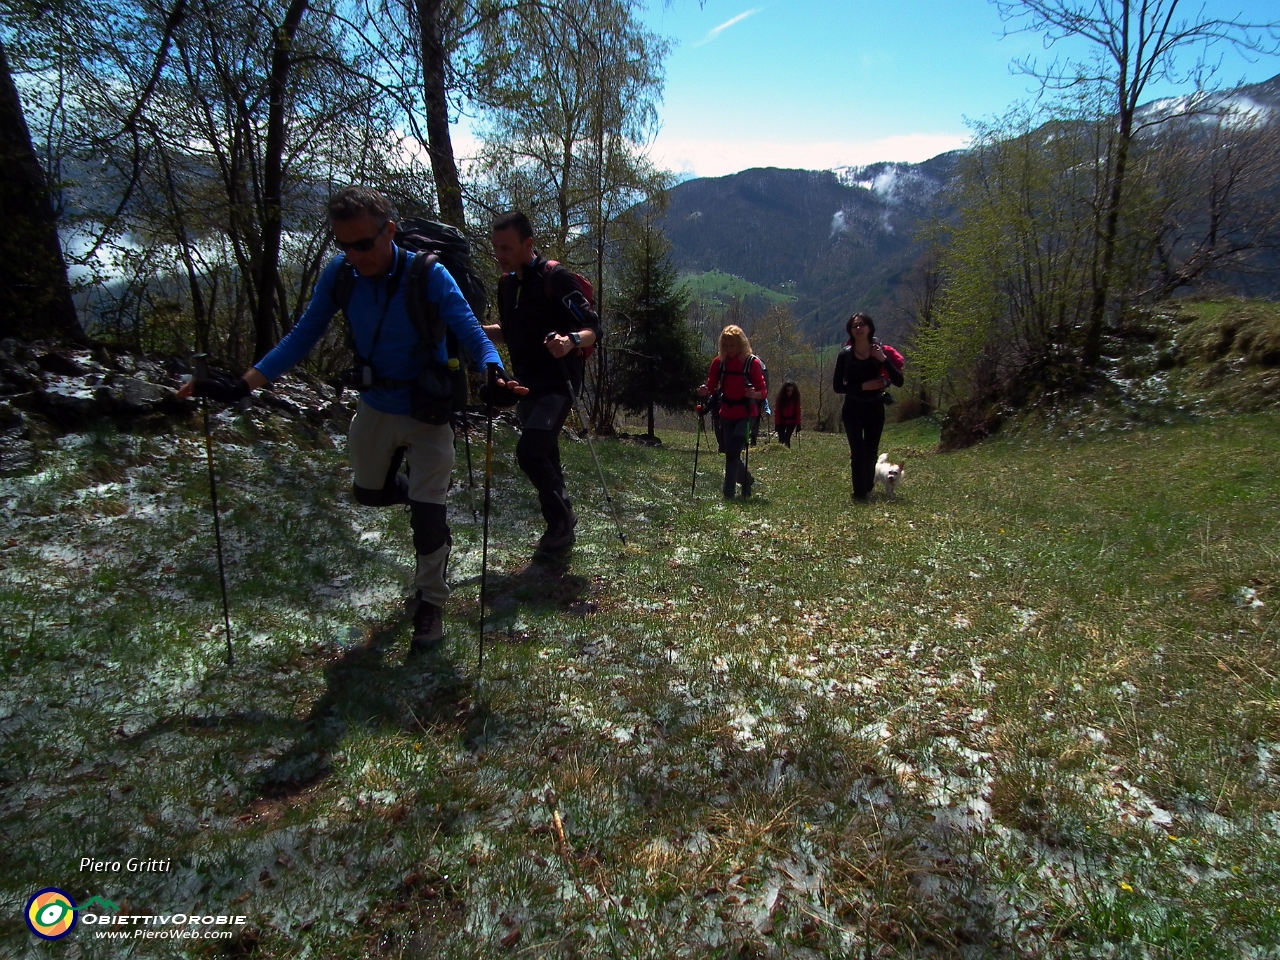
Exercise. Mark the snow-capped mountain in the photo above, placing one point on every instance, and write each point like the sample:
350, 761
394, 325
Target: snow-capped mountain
843, 239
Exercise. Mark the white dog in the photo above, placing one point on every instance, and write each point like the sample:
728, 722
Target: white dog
889, 474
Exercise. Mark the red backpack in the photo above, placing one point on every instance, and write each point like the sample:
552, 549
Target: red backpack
745, 374
588, 292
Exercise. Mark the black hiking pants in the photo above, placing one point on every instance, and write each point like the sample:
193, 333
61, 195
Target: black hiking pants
784, 433
863, 424
735, 434
538, 453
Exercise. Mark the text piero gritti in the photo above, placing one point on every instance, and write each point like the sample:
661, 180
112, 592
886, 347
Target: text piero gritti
132, 865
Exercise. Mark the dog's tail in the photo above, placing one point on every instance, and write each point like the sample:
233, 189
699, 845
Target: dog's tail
883, 458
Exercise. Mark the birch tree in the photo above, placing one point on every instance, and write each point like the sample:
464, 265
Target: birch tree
1134, 45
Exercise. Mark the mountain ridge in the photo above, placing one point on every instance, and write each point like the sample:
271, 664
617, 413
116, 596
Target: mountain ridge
843, 239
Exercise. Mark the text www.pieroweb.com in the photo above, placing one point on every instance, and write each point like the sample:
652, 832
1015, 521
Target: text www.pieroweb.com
164, 926
143, 934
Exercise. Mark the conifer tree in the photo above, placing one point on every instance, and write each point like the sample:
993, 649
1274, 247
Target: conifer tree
655, 354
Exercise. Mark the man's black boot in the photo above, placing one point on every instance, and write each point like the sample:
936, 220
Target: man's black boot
559, 535
428, 626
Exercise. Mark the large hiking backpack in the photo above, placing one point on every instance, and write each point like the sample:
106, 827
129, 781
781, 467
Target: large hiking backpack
432, 242
721, 400
452, 248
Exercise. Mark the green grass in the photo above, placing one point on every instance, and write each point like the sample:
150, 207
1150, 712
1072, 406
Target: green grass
1225, 353
718, 287
1028, 708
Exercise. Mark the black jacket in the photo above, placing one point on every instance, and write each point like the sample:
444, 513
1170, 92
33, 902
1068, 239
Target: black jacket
851, 373
542, 301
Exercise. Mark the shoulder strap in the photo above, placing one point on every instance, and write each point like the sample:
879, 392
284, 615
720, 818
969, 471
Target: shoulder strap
423, 313
343, 284
546, 267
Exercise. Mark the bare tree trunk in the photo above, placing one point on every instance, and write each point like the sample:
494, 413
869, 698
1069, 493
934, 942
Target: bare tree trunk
199, 313
602, 367
1111, 227
34, 288
444, 168
268, 280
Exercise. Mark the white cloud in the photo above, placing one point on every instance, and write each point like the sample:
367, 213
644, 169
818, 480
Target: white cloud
716, 31
717, 158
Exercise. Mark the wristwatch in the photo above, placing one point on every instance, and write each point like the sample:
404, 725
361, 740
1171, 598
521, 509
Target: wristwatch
576, 338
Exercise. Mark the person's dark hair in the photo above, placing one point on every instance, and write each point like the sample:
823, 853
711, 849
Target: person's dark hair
871, 324
349, 202
782, 392
515, 220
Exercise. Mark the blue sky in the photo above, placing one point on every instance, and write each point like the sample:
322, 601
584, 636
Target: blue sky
822, 83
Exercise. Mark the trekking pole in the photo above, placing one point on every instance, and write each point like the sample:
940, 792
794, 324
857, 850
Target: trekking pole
568, 380
201, 361
693, 490
484, 549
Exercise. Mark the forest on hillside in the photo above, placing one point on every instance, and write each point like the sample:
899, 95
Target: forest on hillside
166, 166
183, 151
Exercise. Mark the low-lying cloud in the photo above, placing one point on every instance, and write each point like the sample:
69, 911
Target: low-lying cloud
717, 158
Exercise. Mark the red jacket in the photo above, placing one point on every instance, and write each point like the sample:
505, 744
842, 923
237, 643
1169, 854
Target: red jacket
734, 404
788, 412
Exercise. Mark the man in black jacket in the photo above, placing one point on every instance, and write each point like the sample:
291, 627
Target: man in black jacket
546, 322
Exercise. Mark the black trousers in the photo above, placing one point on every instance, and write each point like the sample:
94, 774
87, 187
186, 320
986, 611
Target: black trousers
735, 435
784, 433
863, 424
538, 453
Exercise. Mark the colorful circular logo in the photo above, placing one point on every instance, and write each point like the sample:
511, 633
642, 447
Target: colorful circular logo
51, 914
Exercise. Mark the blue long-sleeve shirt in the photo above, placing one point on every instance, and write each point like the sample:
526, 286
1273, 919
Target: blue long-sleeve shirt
394, 350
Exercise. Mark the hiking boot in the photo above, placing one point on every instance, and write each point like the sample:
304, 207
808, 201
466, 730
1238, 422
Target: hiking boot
428, 626
559, 536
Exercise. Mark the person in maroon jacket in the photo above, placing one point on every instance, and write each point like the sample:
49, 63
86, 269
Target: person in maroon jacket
864, 368
736, 378
786, 412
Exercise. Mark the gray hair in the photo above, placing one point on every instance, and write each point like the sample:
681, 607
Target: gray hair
349, 202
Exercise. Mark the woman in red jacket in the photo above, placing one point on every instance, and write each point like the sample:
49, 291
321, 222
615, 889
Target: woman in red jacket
736, 378
786, 412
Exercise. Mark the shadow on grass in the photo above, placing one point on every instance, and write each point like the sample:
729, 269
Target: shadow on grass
544, 585
367, 688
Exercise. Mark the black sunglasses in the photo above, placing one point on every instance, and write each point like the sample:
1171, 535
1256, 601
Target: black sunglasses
360, 246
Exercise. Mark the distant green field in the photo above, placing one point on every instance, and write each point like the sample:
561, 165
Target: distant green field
718, 287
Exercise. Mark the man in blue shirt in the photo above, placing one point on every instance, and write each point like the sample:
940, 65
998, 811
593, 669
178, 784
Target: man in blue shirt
387, 341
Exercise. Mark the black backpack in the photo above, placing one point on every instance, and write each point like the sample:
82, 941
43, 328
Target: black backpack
449, 246
452, 248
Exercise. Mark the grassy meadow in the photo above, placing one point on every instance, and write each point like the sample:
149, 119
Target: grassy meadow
1029, 708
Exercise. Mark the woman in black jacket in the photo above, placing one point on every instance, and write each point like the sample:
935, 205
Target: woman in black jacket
863, 370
